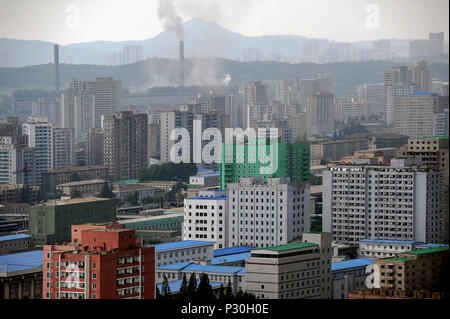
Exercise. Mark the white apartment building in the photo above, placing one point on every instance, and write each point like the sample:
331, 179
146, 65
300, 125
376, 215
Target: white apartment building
266, 214
373, 248
205, 179
403, 201
40, 136
299, 270
205, 218
17, 161
183, 251
394, 92
167, 125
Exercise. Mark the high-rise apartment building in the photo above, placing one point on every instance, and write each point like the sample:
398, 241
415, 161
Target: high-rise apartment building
48, 107
125, 144
309, 87
85, 102
320, 114
63, 147
94, 147
40, 137
285, 160
372, 96
262, 214
255, 93
103, 261
17, 160
414, 115
402, 201
392, 93
300, 270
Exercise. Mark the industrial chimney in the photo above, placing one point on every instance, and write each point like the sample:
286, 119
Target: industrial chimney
182, 63
56, 65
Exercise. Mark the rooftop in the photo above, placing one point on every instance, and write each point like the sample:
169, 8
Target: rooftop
399, 259
209, 198
92, 181
351, 263
230, 258
71, 169
191, 267
383, 241
150, 218
428, 250
231, 251
180, 244
289, 246
175, 286
60, 202
12, 237
21, 261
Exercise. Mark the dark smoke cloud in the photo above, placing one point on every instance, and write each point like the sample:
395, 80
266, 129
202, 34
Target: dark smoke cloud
170, 19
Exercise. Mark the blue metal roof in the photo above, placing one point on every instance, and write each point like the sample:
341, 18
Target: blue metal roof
351, 263
180, 244
230, 258
175, 286
208, 175
430, 245
177, 266
209, 198
215, 269
383, 241
11, 237
425, 93
231, 251
21, 261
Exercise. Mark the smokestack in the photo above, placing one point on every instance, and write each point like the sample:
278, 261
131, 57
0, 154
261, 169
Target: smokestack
56, 65
182, 63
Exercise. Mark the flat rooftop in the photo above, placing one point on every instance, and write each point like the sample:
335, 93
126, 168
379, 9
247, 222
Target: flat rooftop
71, 169
180, 245
389, 242
61, 202
175, 286
230, 258
351, 263
21, 261
14, 237
291, 246
232, 251
88, 182
150, 218
191, 267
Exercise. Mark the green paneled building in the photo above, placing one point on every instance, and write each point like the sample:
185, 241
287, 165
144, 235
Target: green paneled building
51, 222
292, 159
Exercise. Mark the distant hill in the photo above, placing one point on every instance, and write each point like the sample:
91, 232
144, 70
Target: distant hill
203, 39
164, 72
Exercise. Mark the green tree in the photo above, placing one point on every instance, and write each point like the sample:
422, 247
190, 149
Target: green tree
204, 290
221, 293
165, 289
75, 177
132, 198
75, 193
229, 291
106, 191
183, 293
192, 286
25, 194
158, 293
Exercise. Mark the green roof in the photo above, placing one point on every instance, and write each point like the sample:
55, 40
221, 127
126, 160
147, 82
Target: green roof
288, 246
400, 259
427, 250
434, 138
130, 181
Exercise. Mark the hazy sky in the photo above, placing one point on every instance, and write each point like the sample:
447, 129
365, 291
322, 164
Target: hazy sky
73, 21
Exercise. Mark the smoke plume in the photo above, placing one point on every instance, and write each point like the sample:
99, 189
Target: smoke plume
170, 19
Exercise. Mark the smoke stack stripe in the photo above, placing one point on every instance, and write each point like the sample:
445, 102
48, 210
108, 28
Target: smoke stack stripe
56, 65
182, 63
